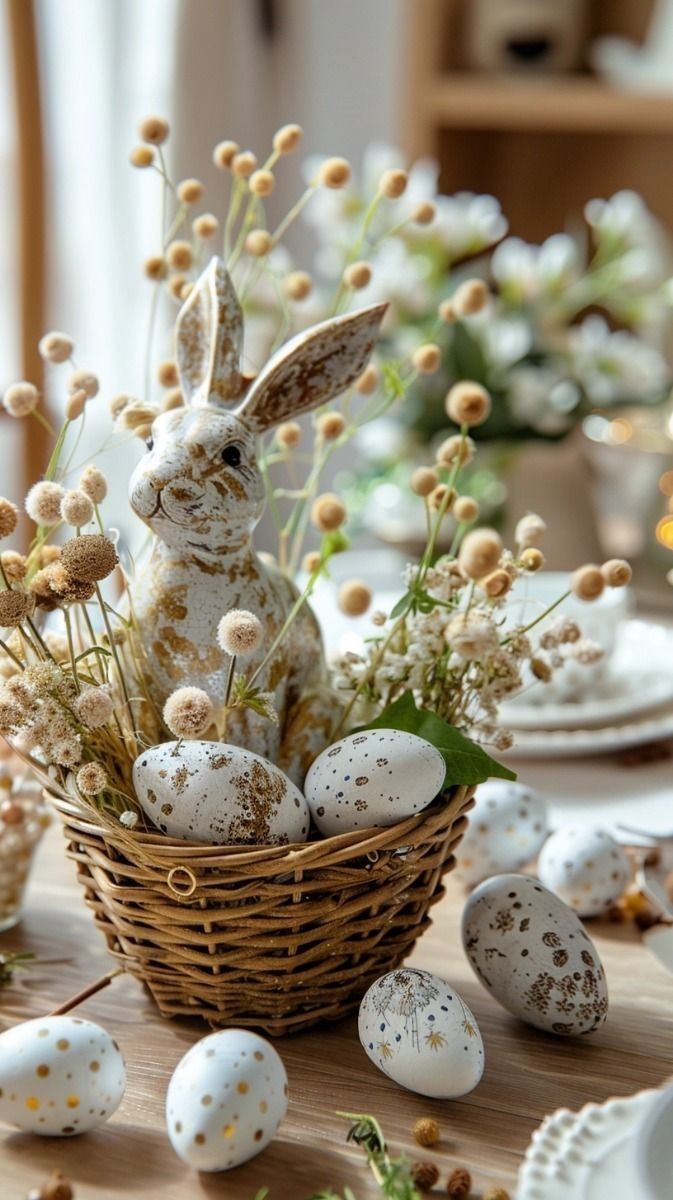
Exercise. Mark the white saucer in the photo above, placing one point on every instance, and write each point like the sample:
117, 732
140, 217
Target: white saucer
638, 678
582, 743
588, 1155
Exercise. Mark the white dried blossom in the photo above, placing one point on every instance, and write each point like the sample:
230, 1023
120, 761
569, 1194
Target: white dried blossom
128, 819
586, 652
472, 634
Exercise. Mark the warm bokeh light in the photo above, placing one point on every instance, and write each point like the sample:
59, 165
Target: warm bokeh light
664, 532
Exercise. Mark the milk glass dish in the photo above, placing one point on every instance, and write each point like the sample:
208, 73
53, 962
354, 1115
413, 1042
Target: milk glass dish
653, 1146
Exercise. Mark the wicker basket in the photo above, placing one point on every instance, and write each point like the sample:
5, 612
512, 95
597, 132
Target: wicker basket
275, 938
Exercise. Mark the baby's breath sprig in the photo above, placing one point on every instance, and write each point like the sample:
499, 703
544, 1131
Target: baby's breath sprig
392, 1175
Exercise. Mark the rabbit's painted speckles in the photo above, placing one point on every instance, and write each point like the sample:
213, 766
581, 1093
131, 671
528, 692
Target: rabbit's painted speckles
200, 490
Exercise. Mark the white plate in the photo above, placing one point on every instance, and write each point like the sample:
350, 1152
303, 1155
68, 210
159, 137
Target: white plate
589, 1155
582, 743
638, 678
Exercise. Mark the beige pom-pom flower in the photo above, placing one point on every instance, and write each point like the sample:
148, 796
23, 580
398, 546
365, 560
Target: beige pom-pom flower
471, 635
68, 752
393, 183
311, 562
94, 707
205, 226
179, 255
43, 502
190, 191
617, 572
224, 154
141, 156
119, 403
89, 557
330, 426
427, 359
288, 434
541, 669
243, 164
456, 447
92, 779
239, 632
328, 512
171, 399
14, 565
358, 275
55, 347
167, 373
262, 182
334, 172
471, 297
298, 285
188, 712
154, 129
85, 381
15, 607
424, 213
530, 531
49, 554
368, 381
447, 312
287, 138
258, 243
587, 583
20, 399
532, 559
155, 267
129, 818
77, 508
497, 584
468, 403
465, 509
75, 405
94, 484
64, 586
355, 597
442, 497
480, 553
424, 481
9, 516
136, 415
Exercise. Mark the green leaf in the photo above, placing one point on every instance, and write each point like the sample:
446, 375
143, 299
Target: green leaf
403, 605
466, 762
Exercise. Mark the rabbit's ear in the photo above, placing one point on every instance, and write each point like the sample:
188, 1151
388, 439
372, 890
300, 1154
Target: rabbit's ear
312, 368
208, 338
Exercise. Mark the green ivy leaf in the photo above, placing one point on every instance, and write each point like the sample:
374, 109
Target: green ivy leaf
466, 762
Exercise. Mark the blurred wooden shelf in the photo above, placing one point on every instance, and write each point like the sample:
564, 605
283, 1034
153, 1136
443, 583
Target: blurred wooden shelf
572, 104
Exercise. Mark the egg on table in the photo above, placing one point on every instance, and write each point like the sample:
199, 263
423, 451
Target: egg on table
506, 829
532, 953
225, 1100
416, 1029
586, 868
59, 1076
220, 794
375, 778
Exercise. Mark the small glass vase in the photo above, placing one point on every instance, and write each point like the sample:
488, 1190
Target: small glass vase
23, 820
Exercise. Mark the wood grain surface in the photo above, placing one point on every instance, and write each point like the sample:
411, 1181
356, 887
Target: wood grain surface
528, 1074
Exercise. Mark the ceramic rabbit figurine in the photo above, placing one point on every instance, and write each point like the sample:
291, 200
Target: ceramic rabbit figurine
201, 492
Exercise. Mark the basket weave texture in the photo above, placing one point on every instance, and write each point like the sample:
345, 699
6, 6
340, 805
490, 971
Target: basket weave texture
272, 938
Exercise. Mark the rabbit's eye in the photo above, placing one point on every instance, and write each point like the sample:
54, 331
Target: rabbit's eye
231, 455
149, 442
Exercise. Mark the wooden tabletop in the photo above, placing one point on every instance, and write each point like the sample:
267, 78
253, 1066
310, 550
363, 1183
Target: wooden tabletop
528, 1074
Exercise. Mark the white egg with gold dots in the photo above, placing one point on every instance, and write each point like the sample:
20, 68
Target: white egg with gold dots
59, 1076
225, 1100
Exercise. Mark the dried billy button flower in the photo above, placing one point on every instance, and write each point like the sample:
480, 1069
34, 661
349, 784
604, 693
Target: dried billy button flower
262, 182
328, 512
119, 403
224, 154
167, 373
496, 584
368, 381
541, 669
205, 226
616, 572
442, 497
65, 587
357, 275
530, 531
14, 565
75, 404
354, 598
471, 297
330, 426
480, 553
447, 312
9, 516
426, 1131
532, 559
243, 164
154, 129
57, 1188
287, 138
258, 243
334, 173
496, 1193
92, 779
76, 508
155, 267
89, 557
288, 434
424, 213
15, 607
94, 707
173, 398
456, 447
379, 618
141, 156
86, 381
188, 712
424, 1175
43, 502
136, 415
239, 632
55, 347
20, 399
298, 285
179, 255
311, 562
94, 484
587, 582
460, 1183
393, 184
49, 554
190, 191
468, 403
466, 509
424, 481
426, 359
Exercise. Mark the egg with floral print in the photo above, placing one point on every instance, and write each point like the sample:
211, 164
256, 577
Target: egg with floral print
225, 1100
585, 867
59, 1076
506, 829
220, 794
374, 778
533, 954
417, 1030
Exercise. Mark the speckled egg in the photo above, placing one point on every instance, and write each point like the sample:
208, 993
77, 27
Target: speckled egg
59, 1076
507, 826
225, 1100
532, 953
377, 777
220, 794
417, 1030
586, 868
